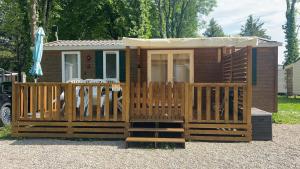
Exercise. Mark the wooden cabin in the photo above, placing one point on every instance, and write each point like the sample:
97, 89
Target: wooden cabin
292, 76
282, 89
149, 90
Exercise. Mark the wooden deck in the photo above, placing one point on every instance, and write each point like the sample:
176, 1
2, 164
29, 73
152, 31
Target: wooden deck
205, 111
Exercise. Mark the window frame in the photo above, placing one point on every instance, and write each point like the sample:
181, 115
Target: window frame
170, 57
117, 63
63, 63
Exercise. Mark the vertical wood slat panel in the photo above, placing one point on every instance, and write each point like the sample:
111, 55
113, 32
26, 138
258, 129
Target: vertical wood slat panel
49, 102
199, 103
42, 102
208, 103
98, 114
115, 105
25, 102
90, 103
106, 115
235, 104
58, 106
81, 105
18, 100
226, 98
217, 103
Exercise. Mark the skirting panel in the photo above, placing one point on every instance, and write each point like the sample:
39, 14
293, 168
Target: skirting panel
105, 130
218, 132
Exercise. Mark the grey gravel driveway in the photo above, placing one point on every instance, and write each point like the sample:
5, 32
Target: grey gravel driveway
282, 152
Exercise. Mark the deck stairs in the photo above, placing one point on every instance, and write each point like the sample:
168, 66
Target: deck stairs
156, 132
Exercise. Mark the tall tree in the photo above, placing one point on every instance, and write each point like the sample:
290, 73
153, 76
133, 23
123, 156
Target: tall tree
214, 29
254, 27
292, 49
16, 32
180, 18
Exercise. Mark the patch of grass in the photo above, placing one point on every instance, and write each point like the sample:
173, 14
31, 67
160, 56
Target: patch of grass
288, 110
5, 132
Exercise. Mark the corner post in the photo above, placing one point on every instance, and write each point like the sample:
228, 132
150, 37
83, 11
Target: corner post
249, 92
14, 110
127, 56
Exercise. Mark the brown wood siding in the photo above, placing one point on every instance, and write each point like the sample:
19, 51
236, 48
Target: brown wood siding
207, 69
265, 91
51, 66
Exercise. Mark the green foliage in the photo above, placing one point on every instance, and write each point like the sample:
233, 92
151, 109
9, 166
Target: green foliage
292, 49
254, 27
15, 33
213, 29
180, 18
5, 132
288, 111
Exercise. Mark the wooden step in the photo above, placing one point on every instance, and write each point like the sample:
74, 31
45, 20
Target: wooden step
151, 139
173, 130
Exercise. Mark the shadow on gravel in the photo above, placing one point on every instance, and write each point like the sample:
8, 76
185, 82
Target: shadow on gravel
93, 142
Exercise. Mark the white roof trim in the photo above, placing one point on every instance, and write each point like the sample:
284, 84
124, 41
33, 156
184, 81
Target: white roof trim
192, 42
110, 47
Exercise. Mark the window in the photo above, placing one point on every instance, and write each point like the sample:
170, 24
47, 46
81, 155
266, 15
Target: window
111, 65
70, 66
170, 65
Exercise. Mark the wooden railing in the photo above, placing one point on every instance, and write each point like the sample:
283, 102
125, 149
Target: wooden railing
100, 102
217, 102
69, 102
157, 101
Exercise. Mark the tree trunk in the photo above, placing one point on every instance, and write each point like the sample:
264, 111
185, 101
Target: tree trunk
33, 5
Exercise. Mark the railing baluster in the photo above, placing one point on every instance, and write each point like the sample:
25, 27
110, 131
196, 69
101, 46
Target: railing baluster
42, 102
107, 93
226, 98
244, 104
199, 103
25, 102
58, 91
34, 101
81, 105
235, 104
150, 99
217, 103
115, 105
145, 98
170, 114
98, 117
49, 103
208, 103
90, 103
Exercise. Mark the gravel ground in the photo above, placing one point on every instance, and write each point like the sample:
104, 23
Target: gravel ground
282, 152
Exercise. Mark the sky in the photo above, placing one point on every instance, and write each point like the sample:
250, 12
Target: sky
231, 14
